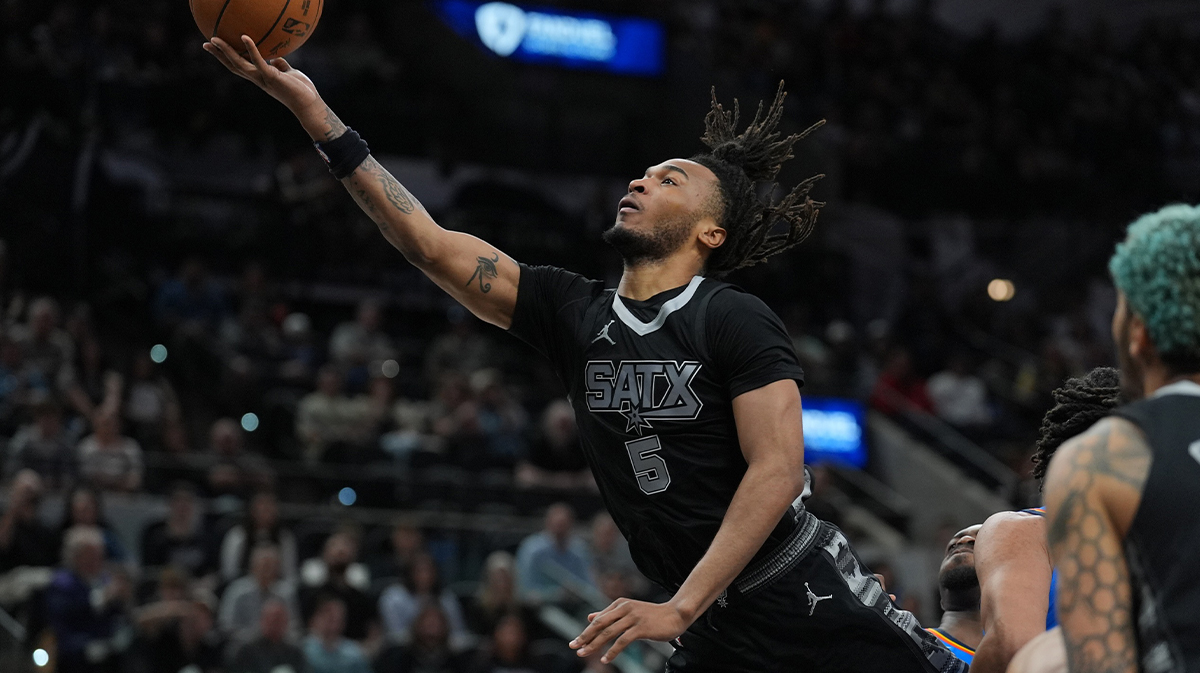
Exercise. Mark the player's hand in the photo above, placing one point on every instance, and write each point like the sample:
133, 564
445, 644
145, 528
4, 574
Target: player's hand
629, 620
285, 84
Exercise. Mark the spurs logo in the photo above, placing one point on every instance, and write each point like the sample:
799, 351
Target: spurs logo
813, 599
604, 334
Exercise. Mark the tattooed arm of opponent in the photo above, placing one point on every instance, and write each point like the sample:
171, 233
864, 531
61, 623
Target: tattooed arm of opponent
473, 271
1093, 489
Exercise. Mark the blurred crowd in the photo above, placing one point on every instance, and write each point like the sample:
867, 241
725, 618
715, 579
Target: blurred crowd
214, 594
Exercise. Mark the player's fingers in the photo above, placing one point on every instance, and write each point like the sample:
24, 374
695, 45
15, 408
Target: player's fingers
220, 56
281, 64
612, 631
619, 646
255, 57
597, 625
233, 60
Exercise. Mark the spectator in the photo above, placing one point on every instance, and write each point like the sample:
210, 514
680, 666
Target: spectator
327, 417
354, 344
497, 595
107, 458
610, 554
244, 598
151, 406
190, 644
85, 507
406, 543
87, 607
169, 605
429, 651
47, 351
547, 559
232, 469
183, 538
496, 419
271, 651
959, 397
899, 389
554, 459
24, 539
260, 525
191, 300
44, 447
508, 650
400, 603
326, 649
337, 573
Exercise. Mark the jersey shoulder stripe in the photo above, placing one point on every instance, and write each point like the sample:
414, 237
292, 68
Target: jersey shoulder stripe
960, 651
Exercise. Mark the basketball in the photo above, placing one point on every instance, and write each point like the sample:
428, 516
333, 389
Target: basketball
278, 27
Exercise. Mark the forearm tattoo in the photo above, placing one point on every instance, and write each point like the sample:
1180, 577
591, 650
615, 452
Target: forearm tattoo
336, 127
486, 269
395, 193
1094, 594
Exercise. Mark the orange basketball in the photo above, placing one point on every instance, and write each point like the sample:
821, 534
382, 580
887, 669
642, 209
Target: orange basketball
278, 27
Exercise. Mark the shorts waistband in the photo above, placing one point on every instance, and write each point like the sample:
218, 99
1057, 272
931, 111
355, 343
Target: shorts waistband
783, 558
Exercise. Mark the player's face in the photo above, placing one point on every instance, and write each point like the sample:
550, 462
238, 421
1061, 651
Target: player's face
1131, 369
662, 210
960, 552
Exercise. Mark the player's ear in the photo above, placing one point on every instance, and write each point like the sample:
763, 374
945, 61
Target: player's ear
712, 236
1140, 346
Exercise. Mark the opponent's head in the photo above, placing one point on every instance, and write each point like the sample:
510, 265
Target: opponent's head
1157, 322
958, 584
709, 205
1078, 404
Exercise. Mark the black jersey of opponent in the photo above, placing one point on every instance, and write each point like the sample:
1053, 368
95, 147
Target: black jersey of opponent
652, 385
1163, 543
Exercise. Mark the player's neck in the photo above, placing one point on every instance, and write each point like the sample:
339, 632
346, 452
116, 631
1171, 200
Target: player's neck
1159, 377
964, 626
647, 279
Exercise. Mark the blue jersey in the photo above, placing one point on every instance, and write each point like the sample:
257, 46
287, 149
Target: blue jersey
960, 651
1052, 611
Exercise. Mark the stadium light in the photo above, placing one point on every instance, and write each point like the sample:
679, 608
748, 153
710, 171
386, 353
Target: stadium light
158, 353
40, 657
1001, 289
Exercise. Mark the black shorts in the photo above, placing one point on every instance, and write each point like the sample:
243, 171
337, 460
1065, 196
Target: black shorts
810, 607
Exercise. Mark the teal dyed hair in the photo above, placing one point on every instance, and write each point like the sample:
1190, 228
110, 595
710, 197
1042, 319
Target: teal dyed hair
1157, 267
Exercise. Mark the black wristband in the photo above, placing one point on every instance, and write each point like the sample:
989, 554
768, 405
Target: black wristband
344, 153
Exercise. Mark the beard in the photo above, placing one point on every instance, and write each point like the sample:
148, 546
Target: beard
637, 248
961, 578
1131, 371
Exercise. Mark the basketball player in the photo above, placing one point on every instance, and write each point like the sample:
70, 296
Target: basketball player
1121, 499
958, 588
1012, 560
687, 395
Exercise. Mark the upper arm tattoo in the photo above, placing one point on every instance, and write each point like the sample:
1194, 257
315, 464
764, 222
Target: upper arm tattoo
1094, 593
485, 269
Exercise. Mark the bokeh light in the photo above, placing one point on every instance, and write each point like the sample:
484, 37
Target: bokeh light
347, 496
41, 657
250, 422
158, 353
1001, 289
391, 368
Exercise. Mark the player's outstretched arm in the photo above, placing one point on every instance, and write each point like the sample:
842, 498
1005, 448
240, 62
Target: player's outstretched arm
473, 271
1093, 489
1013, 565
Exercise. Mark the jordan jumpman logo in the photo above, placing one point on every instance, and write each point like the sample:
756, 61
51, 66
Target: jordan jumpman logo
604, 334
813, 599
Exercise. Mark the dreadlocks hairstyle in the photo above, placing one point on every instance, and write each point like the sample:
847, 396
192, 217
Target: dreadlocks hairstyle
741, 162
1078, 404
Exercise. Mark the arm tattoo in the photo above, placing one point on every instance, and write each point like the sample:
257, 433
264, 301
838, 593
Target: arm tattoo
396, 194
485, 269
336, 127
1095, 598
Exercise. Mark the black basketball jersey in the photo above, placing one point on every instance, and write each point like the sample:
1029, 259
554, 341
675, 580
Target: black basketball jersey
652, 385
1163, 543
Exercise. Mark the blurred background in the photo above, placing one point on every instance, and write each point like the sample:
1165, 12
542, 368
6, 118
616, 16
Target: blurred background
287, 437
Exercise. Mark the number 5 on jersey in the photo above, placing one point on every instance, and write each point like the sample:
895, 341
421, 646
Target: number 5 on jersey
648, 466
